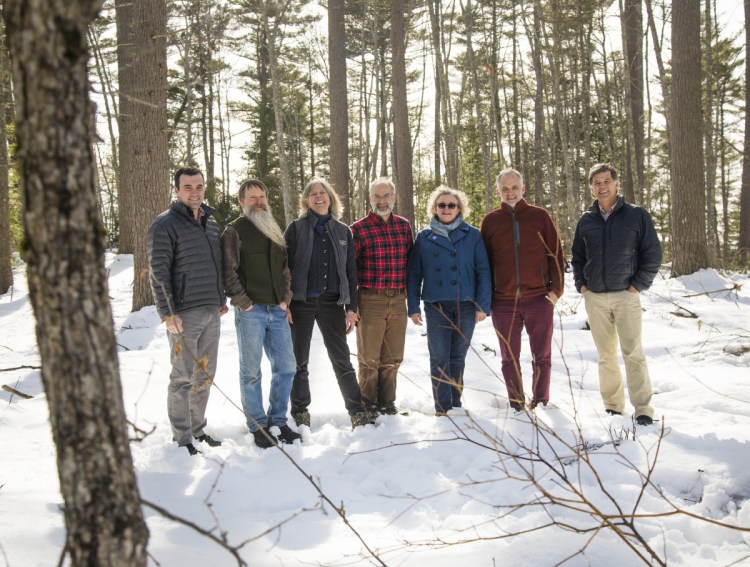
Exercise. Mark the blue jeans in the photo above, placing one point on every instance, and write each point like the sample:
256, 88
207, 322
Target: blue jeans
450, 326
264, 327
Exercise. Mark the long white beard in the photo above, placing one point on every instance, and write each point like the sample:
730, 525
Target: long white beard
264, 222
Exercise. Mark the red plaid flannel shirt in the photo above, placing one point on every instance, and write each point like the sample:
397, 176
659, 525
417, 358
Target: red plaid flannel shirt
382, 250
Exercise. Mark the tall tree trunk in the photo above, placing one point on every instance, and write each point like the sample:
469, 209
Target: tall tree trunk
743, 245
663, 78
265, 107
690, 247
382, 90
449, 138
338, 105
497, 116
632, 24
536, 58
724, 185
514, 83
709, 136
108, 96
68, 282
434, 33
271, 32
6, 268
488, 192
561, 103
401, 131
144, 155
311, 116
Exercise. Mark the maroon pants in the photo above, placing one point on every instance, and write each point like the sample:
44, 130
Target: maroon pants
509, 318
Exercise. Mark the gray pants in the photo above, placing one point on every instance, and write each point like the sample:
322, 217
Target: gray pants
190, 379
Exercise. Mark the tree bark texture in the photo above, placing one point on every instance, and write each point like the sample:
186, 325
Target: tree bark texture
6, 268
68, 282
536, 57
632, 23
339, 105
744, 241
690, 248
709, 134
489, 189
143, 186
401, 130
443, 87
272, 32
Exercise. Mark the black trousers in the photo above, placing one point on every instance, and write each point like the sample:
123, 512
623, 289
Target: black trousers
331, 320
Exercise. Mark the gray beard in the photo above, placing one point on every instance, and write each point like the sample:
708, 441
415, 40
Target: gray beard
384, 214
264, 222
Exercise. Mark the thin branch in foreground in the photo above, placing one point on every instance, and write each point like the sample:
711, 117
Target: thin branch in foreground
206, 533
16, 392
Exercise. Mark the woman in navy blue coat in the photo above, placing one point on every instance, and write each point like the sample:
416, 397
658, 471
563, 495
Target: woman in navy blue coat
449, 271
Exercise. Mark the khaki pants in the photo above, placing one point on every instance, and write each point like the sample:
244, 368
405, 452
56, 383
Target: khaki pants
612, 315
381, 333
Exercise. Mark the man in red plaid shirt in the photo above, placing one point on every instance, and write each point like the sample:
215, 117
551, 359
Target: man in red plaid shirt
382, 243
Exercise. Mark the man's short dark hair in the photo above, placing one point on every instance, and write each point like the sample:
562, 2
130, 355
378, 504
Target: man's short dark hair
186, 171
598, 168
252, 183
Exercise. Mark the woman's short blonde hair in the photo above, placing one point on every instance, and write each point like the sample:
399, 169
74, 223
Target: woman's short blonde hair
463, 200
304, 207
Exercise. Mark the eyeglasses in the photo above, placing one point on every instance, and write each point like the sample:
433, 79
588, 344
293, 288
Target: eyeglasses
450, 206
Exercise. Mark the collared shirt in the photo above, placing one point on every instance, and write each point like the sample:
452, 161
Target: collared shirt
382, 250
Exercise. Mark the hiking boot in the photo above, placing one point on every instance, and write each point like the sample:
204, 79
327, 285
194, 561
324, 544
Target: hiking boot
208, 440
644, 420
264, 438
191, 449
389, 410
614, 412
360, 418
288, 435
302, 418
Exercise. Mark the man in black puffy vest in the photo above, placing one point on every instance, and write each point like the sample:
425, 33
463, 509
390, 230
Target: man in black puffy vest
616, 255
186, 279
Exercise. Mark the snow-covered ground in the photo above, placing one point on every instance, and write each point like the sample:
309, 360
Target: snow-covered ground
484, 489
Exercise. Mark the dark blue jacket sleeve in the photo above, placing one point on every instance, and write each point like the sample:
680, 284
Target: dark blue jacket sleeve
649, 254
414, 277
483, 274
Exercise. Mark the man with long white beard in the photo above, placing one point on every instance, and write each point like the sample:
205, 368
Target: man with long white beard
257, 280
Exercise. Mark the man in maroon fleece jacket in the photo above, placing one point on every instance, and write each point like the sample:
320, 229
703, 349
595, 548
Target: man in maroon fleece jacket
527, 264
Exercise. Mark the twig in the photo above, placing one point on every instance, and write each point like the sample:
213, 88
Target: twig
679, 307
206, 533
15, 392
22, 367
735, 287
